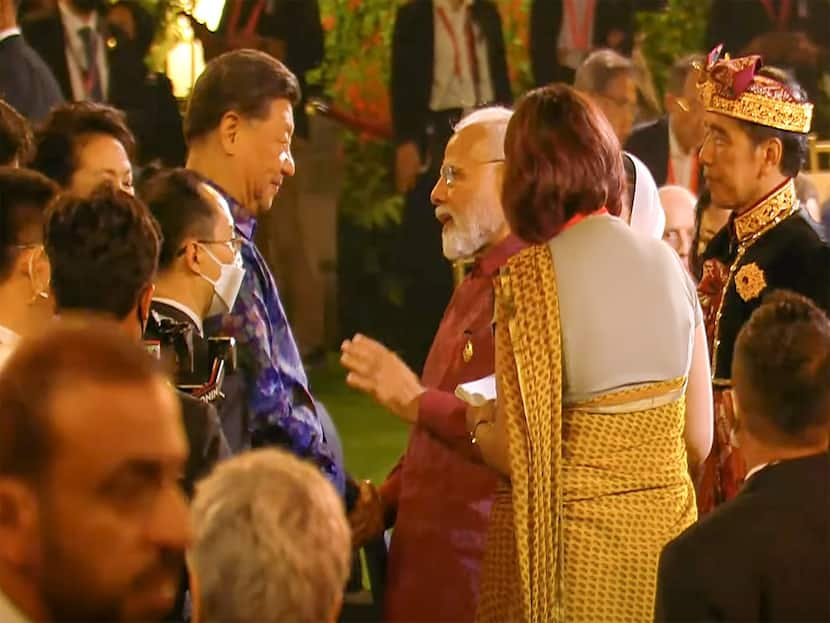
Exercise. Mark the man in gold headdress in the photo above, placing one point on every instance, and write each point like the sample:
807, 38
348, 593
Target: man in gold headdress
755, 142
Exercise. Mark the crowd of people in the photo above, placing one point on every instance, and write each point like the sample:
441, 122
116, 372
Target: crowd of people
624, 412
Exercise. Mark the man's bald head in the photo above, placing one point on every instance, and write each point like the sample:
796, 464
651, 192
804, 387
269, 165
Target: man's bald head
679, 205
467, 196
483, 132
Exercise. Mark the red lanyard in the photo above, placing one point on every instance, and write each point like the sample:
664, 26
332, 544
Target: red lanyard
472, 56
579, 32
670, 177
781, 19
253, 18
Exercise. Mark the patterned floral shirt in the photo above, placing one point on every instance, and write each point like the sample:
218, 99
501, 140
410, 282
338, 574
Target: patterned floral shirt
283, 409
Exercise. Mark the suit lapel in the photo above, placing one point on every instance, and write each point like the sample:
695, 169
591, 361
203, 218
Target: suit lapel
55, 46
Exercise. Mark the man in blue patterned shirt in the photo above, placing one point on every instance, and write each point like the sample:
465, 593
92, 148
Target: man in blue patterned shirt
238, 126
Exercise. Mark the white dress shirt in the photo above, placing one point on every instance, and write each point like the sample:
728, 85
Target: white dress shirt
184, 309
450, 90
76, 53
571, 55
682, 164
9, 32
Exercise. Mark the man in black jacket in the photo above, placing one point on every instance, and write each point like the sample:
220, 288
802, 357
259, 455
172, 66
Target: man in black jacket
755, 142
435, 79
765, 556
25, 80
103, 251
668, 146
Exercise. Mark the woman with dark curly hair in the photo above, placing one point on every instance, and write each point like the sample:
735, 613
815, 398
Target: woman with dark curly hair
603, 382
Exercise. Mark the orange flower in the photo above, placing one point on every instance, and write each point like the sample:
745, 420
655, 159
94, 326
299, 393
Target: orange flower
328, 23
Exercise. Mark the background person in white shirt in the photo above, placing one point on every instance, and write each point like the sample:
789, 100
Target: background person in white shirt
669, 145
24, 269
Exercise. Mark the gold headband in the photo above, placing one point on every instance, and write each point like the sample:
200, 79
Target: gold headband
787, 116
732, 87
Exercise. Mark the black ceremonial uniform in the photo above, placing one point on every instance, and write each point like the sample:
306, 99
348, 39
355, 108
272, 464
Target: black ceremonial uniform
773, 246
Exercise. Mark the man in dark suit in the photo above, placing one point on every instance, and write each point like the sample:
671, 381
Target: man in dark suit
199, 277
434, 79
103, 251
562, 34
765, 555
94, 61
668, 146
25, 81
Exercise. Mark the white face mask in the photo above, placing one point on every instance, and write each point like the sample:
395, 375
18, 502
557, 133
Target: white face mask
226, 287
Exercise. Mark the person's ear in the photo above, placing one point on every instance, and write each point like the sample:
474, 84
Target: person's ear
19, 528
772, 152
229, 132
145, 300
191, 257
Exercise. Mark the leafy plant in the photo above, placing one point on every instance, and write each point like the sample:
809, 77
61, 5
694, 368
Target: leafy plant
679, 29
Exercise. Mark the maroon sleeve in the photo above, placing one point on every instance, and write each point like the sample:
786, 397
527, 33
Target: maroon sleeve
390, 493
444, 415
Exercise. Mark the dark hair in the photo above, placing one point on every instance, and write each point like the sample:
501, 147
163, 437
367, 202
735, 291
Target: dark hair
103, 251
58, 139
794, 153
782, 369
15, 135
562, 159
244, 81
680, 71
24, 197
176, 200
66, 355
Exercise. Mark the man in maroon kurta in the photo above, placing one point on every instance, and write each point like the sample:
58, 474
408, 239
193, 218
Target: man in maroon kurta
438, 496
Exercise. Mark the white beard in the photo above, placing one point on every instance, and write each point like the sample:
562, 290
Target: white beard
463, 238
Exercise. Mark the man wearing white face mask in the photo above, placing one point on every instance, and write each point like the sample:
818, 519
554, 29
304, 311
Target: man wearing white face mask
24, 270
199, 276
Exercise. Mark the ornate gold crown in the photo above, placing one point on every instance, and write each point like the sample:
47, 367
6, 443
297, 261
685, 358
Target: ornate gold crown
732, 88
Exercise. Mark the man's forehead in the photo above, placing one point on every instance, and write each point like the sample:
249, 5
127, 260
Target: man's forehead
113, 421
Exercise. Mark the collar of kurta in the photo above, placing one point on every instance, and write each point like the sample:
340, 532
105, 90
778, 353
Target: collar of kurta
767, 213
489, 262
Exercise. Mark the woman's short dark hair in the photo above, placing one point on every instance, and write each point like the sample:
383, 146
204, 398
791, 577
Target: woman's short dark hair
103, 251
562, 159
58, 139
244, 81
794, 153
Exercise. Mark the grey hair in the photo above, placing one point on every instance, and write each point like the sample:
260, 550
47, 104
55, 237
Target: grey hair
271, 541
492, 115
602, 66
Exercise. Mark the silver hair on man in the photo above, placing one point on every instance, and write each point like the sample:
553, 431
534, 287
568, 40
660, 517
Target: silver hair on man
271, 542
